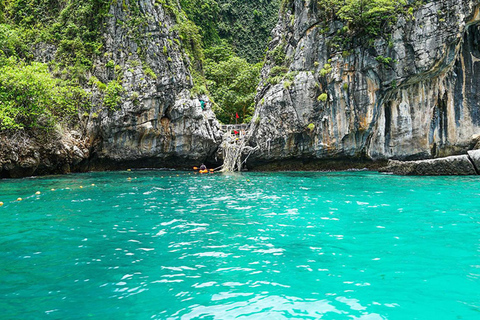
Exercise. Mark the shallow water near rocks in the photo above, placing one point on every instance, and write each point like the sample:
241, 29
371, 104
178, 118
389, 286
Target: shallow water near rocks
173, 245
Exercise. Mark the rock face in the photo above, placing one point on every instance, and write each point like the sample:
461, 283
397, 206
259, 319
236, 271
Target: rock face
23, 155
448, 166
415, 96
474, 157
159, 122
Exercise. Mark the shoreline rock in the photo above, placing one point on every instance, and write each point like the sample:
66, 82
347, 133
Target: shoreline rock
448, 166
474, 156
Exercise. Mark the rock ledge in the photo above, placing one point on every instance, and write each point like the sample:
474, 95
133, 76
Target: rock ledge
463, 165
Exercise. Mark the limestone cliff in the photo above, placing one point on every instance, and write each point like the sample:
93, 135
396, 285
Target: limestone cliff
159, 122
155, 119
413, 95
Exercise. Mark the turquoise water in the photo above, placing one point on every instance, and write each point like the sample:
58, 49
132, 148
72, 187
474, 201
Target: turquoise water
170, 245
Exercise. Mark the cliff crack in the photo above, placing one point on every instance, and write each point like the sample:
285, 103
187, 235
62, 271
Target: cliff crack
307, 31
474, 165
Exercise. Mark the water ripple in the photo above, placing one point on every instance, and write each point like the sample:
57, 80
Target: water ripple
256, 246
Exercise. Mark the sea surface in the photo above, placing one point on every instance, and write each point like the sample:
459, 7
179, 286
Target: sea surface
174, 245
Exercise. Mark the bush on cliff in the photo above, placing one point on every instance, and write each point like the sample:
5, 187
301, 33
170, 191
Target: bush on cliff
30, 97
368, 17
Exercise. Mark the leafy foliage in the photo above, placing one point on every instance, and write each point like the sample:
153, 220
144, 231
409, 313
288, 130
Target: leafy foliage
226, 28
190, 36
245, 24
232, 81
11, 41
366, 17
227, 34
205, 14
30, 97
323, 97
113, 93
74, 26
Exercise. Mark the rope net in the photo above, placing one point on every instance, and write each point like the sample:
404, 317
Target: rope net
232, 155
234, 150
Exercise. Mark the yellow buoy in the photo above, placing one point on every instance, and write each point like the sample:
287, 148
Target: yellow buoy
52, 189
93, 184
19, 199
129, 170
81, 187
1, 204
38, 192
129, 178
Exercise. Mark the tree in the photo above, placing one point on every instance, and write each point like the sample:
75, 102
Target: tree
232, 82
30, 97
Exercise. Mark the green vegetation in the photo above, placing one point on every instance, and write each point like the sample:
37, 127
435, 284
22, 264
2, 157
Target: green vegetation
323, 97
232, 35
35, 95
385, 60
244, 24
31, 98
229, 31
363, 17
73, 26
327, 68
232, 82
224, 41
113, 93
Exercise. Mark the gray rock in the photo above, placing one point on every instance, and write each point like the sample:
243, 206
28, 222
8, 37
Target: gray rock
448, 166
21, 156
474, 156
422, 104
159, 122
26, 167
77, 155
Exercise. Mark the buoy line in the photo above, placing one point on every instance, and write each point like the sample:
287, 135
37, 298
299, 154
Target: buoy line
37, 193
